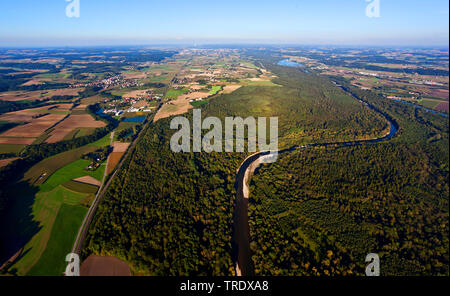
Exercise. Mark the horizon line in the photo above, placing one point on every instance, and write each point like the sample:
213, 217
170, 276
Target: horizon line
197, 45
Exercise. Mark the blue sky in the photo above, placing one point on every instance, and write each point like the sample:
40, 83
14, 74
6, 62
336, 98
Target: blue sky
339, 22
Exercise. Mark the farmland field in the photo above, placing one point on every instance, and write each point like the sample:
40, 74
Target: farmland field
120, 147
125, 125
34, 129
47, 199
72, 122
16, 141
38, 95
65, 228
72, 134
42, 170
258, 82
92, 100
8, 148
175, 93
113, 160
88, 180
442, 107
45, 205
432, 104
44, 210
71, 171
42, 138
178, 106
81, 187
215, 89
28, 115
103, 142
156, 79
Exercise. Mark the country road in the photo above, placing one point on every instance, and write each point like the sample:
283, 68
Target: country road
241, 233
91, 209
79, 241
82, 232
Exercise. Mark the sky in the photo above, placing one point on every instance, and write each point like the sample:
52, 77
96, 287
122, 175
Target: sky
310, 22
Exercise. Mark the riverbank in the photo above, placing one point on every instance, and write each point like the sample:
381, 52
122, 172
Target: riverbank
243, 261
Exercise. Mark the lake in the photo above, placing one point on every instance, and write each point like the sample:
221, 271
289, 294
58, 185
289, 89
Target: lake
135, 119
289, 63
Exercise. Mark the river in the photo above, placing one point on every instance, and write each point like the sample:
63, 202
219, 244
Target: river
422, 107
241, 232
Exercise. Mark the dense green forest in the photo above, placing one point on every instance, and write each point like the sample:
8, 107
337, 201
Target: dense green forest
172, 213
320, 211
168, 213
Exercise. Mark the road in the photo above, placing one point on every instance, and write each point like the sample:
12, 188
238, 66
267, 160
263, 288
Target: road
241, 231
88, 216
79, 241
82, 232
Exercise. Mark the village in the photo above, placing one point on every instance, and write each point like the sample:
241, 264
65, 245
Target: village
113, 81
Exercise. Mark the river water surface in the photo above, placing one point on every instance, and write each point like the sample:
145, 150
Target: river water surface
241, 231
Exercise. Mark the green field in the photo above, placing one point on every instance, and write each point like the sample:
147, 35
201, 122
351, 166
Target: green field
85, 131
249, 65
198, 103
43, 209
119, 93
158, 67
53, 75
65, 228
71, 171
52, 164
257, 83
79, 132
79, 112
96, 75
43, 111
155, 79
42, 138
10, 148
71, 135
123, 126
103, 142
175, 93
45, 201
80, 187
215, 89
429, 103
92, 100
55, 210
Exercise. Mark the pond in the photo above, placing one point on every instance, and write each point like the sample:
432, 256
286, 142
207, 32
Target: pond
289, 63
135, 119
